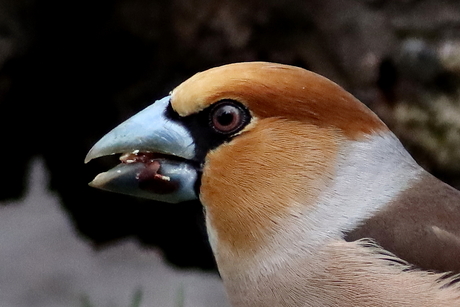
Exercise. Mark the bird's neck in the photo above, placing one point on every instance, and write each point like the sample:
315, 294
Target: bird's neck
368, 175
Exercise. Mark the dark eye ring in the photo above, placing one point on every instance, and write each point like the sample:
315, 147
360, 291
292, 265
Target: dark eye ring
228, 116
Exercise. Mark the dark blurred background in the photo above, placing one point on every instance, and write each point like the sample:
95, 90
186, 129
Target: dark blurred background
71, 70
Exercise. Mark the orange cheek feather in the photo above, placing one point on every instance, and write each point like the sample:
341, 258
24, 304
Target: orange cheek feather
275, 169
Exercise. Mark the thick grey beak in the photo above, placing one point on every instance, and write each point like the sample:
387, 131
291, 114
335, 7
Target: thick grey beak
150, 138
147, 131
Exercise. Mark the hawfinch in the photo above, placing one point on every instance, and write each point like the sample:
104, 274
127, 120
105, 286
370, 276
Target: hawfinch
310, 200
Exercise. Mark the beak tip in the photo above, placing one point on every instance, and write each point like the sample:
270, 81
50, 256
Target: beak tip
87, 159
98, 151
99, 181
90, 155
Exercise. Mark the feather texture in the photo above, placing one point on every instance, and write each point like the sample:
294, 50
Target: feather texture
276, 90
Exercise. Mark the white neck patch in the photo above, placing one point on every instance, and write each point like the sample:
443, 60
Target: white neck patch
369, 175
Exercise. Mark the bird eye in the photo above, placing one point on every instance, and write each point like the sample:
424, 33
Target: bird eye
228, 117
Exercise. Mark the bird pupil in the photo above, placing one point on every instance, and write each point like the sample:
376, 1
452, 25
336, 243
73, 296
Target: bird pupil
225, 118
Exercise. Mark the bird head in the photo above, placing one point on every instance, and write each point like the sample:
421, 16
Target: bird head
261, 145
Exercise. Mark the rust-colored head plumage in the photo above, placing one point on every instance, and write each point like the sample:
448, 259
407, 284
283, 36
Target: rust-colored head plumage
276, 90
284, 157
